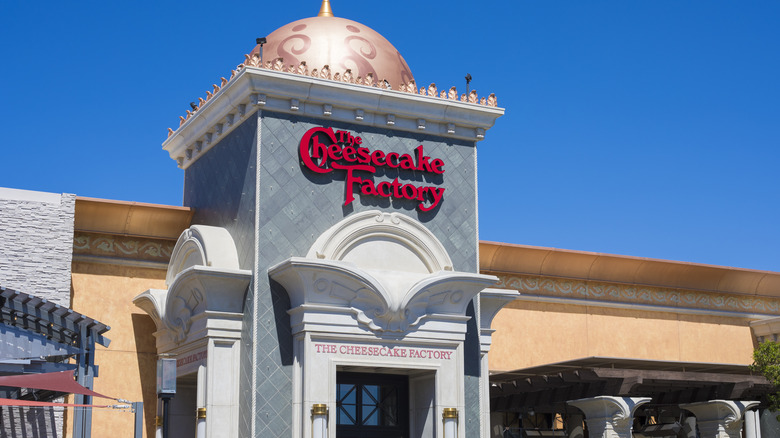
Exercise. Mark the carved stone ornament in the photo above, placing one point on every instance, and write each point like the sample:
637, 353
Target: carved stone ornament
202, 245
490, 302
203, 279
387, 269
720, 418
609, 417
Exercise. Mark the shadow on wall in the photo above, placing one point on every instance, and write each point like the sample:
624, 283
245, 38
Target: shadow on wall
146, 352
281, 302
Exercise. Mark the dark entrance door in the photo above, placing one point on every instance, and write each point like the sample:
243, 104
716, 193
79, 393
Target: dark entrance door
372, 405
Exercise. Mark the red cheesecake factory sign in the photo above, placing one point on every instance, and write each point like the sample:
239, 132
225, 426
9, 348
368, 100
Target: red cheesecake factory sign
344, 151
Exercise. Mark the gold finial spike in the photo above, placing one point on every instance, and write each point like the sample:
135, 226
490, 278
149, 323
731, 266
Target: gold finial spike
325, 10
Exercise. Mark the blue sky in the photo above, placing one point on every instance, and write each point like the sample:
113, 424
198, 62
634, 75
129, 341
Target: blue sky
646, 128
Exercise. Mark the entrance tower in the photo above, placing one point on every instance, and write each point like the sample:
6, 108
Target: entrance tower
330, 286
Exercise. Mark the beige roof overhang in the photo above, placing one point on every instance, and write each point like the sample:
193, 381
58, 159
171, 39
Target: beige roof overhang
551, 262
131, 218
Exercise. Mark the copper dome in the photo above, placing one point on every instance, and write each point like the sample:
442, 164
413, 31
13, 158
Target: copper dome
341, 45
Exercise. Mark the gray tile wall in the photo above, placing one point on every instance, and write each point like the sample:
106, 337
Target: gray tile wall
220, 186
295, 207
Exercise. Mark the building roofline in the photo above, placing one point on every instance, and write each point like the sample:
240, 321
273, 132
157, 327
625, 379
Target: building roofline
509, 258
107, 216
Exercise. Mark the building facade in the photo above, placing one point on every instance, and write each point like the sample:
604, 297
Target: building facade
325, 278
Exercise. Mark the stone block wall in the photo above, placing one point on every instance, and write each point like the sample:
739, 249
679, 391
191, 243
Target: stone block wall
36, 243
36, 248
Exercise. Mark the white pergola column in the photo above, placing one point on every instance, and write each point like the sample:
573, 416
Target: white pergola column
490, 302
689, 427
752, 425
720, 418
609, 417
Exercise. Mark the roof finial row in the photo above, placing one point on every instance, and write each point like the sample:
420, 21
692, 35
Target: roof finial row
325, 10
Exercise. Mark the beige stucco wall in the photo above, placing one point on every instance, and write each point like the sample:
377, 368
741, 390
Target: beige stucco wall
127, 366
532, 333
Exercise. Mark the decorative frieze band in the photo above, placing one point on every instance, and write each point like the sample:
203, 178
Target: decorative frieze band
122, 247
634, 294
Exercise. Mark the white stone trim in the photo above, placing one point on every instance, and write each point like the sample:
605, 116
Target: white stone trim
200, 295
202, 245
291, 93
30, 195
766, 329
356, 288
202, 313
375, 304
490, 302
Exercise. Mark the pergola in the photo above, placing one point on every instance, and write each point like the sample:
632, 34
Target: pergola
38, 336
548, 388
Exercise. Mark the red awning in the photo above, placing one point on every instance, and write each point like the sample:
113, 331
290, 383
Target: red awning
14, 402
61, 381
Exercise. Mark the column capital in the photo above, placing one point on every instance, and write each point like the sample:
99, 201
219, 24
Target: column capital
609, 417
719, 418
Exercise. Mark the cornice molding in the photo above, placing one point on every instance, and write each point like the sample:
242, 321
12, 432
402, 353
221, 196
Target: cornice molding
766, 329
377, 305
255, 88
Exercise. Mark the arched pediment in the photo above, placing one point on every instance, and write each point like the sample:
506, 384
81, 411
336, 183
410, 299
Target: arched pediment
202, 245
387, 269
372, 239
203, 276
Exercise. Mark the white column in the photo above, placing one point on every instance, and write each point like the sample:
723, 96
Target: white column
689, 427
609, 417
200, 404
222, 399
752, 425
719, 418
490, 302
484, 396
450, 419
319, 420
